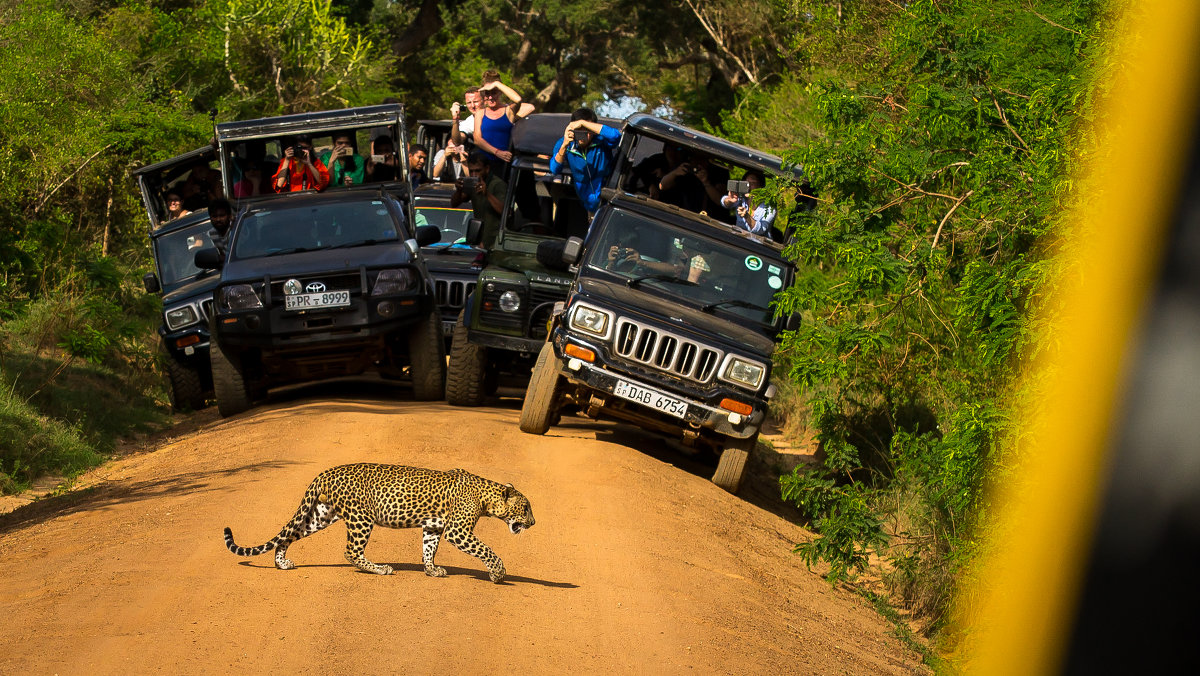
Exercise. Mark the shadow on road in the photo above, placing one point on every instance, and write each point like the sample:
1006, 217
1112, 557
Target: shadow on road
479, 574
119, 492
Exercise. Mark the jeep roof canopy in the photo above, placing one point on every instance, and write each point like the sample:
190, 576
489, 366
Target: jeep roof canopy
735, 153
311, 123
537, 134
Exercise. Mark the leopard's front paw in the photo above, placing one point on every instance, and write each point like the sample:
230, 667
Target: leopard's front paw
384, 570
284, 564
435, 571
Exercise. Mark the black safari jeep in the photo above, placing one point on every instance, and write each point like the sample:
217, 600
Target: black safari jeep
186, 289
499, 332
669, 322
315, 285
453, 264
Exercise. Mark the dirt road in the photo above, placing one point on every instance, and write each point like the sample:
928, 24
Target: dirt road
637, 563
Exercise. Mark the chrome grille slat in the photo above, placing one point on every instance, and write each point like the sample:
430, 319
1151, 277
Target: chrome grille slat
664, 351
452, 292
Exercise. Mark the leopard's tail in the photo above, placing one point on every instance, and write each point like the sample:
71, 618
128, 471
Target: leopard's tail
292, 530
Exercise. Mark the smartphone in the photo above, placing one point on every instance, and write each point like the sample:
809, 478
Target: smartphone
738, 187
377, 158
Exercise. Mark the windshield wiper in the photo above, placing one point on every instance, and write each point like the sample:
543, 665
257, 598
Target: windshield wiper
634, 281
358, 242
736, 303
295, 249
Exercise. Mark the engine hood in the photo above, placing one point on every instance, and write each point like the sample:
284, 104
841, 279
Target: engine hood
202, 285
642, 306
312, 262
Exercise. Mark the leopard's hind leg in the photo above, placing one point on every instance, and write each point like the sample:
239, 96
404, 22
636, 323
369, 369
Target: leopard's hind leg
319, 515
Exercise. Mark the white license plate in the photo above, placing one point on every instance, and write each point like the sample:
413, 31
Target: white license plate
651, 398
309, 301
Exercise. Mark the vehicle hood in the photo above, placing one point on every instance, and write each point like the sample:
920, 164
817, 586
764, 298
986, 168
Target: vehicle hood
683, 319
453, 260
201, 285
312, 262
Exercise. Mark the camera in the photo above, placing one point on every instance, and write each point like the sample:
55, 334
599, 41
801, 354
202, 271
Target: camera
623, 253
738, 187
470, 183
298, 151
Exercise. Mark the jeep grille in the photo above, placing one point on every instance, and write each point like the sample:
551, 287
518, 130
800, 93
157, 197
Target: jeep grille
453, 292
667, 352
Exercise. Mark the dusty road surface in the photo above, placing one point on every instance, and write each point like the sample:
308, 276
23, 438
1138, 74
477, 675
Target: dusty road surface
637, 563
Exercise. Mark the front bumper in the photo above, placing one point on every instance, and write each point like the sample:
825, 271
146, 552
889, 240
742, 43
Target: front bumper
602, 377
276, 329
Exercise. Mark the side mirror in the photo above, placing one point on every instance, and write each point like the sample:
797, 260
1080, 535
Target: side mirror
428, 234
150, 281
791, 323
550, 254
474, 232
209, 259
572, 251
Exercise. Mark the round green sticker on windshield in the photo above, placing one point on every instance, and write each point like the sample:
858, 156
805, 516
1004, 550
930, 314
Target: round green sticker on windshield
754, 263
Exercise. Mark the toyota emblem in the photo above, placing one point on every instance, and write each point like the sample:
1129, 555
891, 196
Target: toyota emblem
315, 287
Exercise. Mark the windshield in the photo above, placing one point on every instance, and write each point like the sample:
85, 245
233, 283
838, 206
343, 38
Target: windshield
701, 272
176, 252
311, 227
452, 222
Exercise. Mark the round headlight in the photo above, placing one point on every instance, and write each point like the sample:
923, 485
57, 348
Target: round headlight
292, 287
510, 301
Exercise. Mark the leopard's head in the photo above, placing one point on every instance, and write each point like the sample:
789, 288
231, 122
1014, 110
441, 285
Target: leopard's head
513, 509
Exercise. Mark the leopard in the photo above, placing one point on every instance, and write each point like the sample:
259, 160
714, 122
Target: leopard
441, 503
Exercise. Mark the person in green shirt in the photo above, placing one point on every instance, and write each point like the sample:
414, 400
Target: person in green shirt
350, 167
486, 192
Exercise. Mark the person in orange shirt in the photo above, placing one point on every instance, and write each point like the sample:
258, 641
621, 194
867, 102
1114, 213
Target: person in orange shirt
300, 169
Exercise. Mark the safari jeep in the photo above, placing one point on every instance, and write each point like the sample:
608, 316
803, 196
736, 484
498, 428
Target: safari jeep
316, 285
499, 332
669, 322
186, 289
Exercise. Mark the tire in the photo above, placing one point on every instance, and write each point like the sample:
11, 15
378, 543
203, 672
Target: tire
731, 468
427, 359
540, 409
229, 380
465, 376
187, 390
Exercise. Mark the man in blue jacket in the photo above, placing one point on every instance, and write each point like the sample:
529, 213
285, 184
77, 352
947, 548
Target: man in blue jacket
586, 148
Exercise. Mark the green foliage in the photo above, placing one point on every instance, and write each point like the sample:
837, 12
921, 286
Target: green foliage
937, 160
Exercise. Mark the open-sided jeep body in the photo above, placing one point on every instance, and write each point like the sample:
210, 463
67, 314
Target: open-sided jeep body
499, 332
186, 289
453, 264
316, 285
669, 322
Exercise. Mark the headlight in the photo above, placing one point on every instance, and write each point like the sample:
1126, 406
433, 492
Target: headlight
742, 372
394, 281
510, 301
179, 317
241, 297
591, 320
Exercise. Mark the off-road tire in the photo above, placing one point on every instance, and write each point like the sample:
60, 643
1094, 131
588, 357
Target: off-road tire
186, 387
465, 376
427, 359
540, 409
229, 380
731, 467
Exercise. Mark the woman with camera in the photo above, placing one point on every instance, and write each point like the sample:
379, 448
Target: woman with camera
300, 169
756, 218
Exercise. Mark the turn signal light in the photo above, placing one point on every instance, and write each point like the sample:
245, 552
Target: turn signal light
736, 406
187, 340
580, 352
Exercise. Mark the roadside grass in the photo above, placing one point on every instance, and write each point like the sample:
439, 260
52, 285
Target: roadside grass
61, 414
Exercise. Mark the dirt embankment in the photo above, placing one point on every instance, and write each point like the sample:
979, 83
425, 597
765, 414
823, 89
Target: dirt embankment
637, 563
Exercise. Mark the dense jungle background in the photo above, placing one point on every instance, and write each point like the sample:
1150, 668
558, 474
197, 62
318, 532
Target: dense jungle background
940, 139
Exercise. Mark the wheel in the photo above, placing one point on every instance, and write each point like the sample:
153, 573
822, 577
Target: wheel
187, 390
465, 376
540, 409
427, 359
731, 468
229, 380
